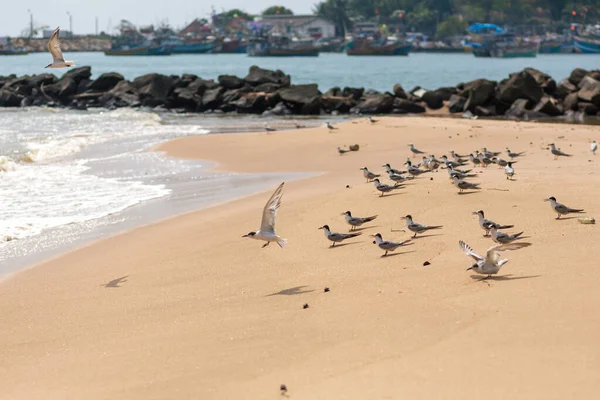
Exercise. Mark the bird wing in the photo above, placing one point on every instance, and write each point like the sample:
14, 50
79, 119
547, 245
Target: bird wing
469, 251
493, 253
270, 211
54, 47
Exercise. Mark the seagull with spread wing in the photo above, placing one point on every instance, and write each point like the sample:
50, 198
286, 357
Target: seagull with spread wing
267, 226
491, 263
58, 61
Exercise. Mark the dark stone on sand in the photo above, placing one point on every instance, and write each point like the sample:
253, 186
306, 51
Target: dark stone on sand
302, 99
337, 103
231, 82
520, 86
456, 103
434, 100
570, 102
407, 106
589, 90
377, 104
547, 105
399, 91
257, 75
354, 93
213, 98
77, 74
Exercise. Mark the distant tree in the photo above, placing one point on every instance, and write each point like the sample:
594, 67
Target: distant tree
235, 13
278, 10
454, 25
336, 11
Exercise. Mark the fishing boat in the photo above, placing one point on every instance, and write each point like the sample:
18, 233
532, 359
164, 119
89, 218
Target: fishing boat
230, 46
366, 47
280, 47
13, 52
182, 46
506, 46
586, 39
139, 51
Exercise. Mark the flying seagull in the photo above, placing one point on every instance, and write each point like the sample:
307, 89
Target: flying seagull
491, 263
267, 225
58, 61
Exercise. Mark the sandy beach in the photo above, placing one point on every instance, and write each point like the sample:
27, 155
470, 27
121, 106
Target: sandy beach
186, 308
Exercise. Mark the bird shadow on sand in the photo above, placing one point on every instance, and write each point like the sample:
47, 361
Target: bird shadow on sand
392, 194
425, 236
503, 277
565, 218
466, 193
115, 282
364, 228
397, 254
291, 291
343, 244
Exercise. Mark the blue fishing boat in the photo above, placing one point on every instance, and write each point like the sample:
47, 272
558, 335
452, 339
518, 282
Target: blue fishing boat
280, 47
587, 45
138, 51
505, 46
181, 46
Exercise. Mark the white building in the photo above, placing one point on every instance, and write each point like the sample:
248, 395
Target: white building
301, 26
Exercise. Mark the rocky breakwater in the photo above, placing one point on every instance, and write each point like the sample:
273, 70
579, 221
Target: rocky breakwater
529, 94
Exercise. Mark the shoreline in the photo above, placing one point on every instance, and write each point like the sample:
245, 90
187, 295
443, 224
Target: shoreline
188, 289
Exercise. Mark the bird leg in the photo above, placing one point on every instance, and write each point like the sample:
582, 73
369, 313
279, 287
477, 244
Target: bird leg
385, 253
558, 217
332, 244
266, 244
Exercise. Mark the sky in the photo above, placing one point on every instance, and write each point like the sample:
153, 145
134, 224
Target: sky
14, 17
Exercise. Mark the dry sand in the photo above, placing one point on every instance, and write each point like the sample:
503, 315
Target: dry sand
205, 314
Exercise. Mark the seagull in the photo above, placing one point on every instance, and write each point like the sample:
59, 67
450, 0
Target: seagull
414, 171
500, 162
386, 244
460, 175
336, 237
373, 120
383, 188
451, 164
484, 159
331, 127
490, 154
356, 221
456, 156
491, 263
58, 61
431, 163
487, 225
476, 161
509, 171
561, 209
418, 228
464, 185
503, 238
514, 155
269, 129
594, 147
557, 153
414, 150
368, 174
342, 151
300, 126
389, 170
267, 225
397, 178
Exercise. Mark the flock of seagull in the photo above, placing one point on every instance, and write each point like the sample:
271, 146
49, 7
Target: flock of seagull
488, 264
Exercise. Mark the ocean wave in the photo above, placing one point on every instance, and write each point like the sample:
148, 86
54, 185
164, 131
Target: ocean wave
6, 164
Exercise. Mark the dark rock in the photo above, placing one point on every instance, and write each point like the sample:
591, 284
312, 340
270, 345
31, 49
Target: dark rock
77, 74
337, 103
124, 94
478, 92
371, 92
587, 108
83, 86
564, 88
299, 96
570, 102
378, 104
280, 109
235, 94
399, 91
231, 82
213, 98
520, 86
27, 101
10, 99
549, 87
589, 90
518, 109
153, 89
456, 103
105, 81
547, 105
251, 103
446, 92
62, 89
267, 87
184, 97
257, 75
577, 75
486, 111
434, 100
407, 106
353, 93
42, 79
333, 92
539, 76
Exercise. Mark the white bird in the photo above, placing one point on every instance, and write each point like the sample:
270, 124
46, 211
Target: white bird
267, 225
356, 221
594, 147
336, 237
373, 120
491, 263
368, 174
487, 225
331, 127
58, 61
561, 209
269, 129
418, 228
387, 245
557, 153
383, 188
509, 171
503, 238
414, 150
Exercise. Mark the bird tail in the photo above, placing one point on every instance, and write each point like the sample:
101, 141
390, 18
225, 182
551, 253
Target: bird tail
282, 243
351, 235
517, 235
435, 227
369, 219
506, 227
575, 211
70, 63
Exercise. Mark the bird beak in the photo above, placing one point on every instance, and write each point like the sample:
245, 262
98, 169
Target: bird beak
321, 228
470, 268
402, 217
245, 236
342, 213
546, 199
475, 213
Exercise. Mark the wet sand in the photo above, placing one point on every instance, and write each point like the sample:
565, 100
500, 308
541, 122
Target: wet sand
185, 308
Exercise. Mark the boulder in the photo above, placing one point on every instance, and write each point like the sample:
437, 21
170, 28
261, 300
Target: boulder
280, 109
299, 96
313, 107
399, 91
520, 86
589, 90
518, 109
10, 99
549, 87
84, 85
486, 111
251, 103
371, 92
456, 103
105, 81
233, 95
77, 74
231, 82
577, 75
337, 103
62, 89
124, 94
18, 85
42, 79
267, 87
377, 104
587, 108
257, 75
184, 97
407, 106
547, 105
434, 100
564, 88
570, 102
478, 92
446, 92
353, 93
539, 76
333, 92
213, 98
153, 89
